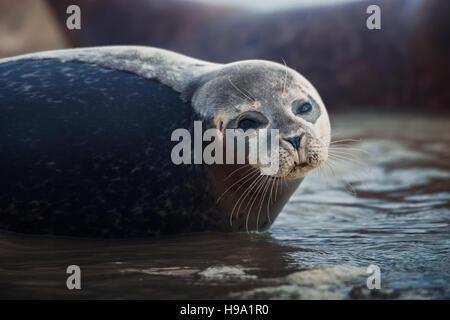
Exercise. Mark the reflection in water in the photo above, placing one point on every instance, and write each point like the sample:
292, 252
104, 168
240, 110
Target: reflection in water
189, 266
319, 247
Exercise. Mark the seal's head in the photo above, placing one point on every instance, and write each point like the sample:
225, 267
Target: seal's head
258, 94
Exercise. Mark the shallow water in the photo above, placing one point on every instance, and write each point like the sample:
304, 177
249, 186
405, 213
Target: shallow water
318, 248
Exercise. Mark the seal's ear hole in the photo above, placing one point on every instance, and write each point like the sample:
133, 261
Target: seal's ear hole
249, 120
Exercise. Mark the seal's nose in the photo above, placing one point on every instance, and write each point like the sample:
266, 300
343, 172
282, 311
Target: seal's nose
294, 141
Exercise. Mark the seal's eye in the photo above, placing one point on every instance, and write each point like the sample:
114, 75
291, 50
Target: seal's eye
308, 110
248, 120
304, 108
246, 124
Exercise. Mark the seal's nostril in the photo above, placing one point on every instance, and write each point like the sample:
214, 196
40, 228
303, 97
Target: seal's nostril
295, 141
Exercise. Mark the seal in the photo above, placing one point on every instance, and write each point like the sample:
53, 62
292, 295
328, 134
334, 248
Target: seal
86, 142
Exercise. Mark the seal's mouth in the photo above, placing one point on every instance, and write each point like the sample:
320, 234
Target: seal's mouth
298, 166
301, 165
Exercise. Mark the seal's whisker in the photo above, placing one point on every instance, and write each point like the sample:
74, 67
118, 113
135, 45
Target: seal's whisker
276, 189
345, 158
249, 94
237, 202
270, 199
346, 164
349, 149
321, 172
346, 146
316, 171
257, 191
285, 78
234, 171
341, 134
248, 175
345, 140
324, 174
246, 191
235, 96
240, 91
266, 187
285, 182
281, 185
267, 192
255, 195
261, 196
342, 152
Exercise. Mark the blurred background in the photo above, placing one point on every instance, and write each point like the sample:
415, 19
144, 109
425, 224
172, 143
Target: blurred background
403, 66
